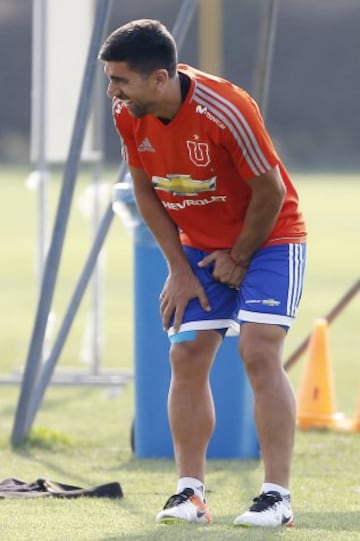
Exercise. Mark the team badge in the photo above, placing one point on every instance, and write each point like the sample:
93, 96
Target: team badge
198, 153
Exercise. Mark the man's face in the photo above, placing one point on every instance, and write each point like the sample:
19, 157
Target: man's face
136, 91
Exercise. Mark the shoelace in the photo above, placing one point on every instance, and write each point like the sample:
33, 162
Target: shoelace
265, 501
177, 499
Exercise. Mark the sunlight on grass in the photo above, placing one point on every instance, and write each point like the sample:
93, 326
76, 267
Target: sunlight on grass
46, 438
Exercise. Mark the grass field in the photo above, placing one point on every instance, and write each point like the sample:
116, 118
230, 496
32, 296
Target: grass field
82, 435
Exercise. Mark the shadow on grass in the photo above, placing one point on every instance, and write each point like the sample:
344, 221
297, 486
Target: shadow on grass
191, 532
44, 447
166, 465
224, 530
51, 465
329, 520
52, 402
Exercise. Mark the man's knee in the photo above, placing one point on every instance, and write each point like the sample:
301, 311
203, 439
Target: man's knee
261, 348
182, 352
194, 355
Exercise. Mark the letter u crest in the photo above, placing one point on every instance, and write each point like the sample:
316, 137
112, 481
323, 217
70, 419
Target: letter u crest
198, 153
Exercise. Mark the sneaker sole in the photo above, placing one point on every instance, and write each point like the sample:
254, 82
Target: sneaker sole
290, 524
173, 520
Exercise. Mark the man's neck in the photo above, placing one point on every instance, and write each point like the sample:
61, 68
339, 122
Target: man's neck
171, 102
178, 89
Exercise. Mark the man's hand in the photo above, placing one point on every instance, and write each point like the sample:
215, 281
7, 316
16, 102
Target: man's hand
178, 290
226, 269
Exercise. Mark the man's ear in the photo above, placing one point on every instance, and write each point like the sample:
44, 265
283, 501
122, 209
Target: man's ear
160, 78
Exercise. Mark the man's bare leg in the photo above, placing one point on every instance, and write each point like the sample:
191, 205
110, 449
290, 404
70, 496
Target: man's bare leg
261, 348
190, 404
192, 421
275, 409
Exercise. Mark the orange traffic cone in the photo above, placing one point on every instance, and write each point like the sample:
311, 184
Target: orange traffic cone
316, 396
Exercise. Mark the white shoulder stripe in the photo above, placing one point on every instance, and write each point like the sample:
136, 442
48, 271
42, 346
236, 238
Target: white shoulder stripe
238, 126
256, 169
242, 119
243, 130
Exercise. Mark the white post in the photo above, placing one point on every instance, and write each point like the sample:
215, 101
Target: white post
38, 126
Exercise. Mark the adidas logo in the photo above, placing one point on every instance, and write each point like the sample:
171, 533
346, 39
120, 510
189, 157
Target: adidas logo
146, 146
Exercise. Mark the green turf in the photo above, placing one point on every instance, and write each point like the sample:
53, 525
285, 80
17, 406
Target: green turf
82, 435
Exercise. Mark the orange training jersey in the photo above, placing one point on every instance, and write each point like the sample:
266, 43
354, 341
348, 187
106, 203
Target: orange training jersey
199, 162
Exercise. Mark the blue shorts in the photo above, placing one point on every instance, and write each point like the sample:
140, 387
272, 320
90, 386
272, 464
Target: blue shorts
270, 292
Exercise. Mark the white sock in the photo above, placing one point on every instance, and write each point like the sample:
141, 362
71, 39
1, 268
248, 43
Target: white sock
266, 487
191, 482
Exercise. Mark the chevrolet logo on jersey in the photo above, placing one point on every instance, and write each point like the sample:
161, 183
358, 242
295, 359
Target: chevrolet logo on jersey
183, 184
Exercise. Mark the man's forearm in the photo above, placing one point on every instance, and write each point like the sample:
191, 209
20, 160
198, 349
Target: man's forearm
163, 229
263, 210
258, 223
158, 221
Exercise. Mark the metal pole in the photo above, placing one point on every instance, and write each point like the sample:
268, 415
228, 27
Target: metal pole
96, 314
38, 127
183, 20
53, 257
263, 63
96, 311
49, 364
33, 400
330, 317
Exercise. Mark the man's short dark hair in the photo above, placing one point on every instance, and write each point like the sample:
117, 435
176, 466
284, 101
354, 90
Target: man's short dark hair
145, 45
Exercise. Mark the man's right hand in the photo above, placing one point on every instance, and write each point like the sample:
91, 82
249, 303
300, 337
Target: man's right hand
180, 287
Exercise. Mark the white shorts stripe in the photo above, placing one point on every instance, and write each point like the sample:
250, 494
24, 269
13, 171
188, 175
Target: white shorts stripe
291, 278
259, 317
301, 259
207, 325
296, 258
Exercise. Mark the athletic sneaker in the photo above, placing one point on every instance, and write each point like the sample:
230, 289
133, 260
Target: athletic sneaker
184, 507
269, 510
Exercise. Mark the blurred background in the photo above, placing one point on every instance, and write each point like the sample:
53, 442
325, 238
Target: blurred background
313, 102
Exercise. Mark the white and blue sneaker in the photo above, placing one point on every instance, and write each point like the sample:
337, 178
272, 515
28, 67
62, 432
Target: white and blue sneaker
269, 510
184, 507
